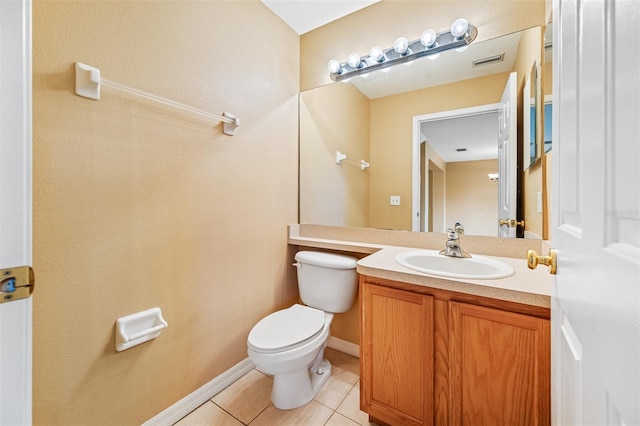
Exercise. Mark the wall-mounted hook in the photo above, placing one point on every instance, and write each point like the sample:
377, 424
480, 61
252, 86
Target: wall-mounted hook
87, 81
229, 128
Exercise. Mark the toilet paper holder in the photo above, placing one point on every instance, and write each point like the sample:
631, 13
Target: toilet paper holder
134, 329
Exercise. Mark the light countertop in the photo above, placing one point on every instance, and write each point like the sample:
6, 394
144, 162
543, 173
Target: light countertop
530, 287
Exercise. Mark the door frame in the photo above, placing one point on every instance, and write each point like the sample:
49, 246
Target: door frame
418, 120
16, 206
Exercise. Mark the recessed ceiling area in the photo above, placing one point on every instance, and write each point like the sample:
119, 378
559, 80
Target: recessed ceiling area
306, 15
477, 133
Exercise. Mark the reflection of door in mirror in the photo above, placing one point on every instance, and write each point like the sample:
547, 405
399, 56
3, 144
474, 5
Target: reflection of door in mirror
507, 159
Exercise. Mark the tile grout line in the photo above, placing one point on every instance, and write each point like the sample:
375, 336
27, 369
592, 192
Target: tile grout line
229, 413
258, 415
335, 410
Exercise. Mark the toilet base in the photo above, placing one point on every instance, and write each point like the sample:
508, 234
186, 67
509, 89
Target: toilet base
295, 390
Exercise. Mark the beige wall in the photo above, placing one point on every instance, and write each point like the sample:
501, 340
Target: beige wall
472, 199
334, 194
548, 78
532, 185
137, 207
391, 139
383, 22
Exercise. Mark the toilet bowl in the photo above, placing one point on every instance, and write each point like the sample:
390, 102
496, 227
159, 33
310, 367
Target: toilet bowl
289, 344
295, 380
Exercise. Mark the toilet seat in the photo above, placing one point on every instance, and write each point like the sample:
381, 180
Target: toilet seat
286, 329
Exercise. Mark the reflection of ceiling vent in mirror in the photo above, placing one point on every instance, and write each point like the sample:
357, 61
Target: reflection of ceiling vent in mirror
488, 60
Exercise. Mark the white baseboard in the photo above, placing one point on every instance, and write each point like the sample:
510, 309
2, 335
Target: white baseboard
200, 395
218, 384
344, 346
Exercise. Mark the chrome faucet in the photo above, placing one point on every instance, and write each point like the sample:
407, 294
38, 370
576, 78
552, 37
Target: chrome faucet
458, 228
453, 247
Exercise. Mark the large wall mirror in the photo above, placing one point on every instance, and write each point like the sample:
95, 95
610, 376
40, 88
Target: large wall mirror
371, 120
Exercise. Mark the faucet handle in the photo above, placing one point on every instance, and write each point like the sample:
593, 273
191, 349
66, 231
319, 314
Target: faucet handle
453, 235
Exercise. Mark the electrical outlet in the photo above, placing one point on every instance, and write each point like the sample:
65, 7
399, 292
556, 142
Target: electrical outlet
394, 200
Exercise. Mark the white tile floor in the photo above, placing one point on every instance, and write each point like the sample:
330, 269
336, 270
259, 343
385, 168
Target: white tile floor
248, 401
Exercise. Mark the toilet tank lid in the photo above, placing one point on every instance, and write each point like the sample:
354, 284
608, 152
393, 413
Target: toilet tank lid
327, 260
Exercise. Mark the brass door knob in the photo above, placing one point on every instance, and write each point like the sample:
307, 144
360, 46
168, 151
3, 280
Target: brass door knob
512, 223
549, 260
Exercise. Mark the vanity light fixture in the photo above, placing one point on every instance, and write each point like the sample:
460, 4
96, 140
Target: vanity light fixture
430, 44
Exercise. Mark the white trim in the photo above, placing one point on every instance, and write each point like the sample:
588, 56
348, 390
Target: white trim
16, 353
201, 395
417, 122
531, 236
344, 346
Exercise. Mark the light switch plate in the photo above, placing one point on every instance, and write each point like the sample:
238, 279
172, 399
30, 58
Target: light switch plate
394, 200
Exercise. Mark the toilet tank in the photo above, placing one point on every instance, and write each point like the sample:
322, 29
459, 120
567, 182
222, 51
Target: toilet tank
327, 281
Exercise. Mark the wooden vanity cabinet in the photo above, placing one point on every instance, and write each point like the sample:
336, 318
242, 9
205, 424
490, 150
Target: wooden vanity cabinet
435, 357
397, 355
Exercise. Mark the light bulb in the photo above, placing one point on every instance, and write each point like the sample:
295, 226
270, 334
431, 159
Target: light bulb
334, 67
377, 54
459, 28
354, 60
401, 45
428, 38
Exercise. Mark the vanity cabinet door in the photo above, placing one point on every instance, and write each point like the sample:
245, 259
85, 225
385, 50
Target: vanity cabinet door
397, 355
500, 367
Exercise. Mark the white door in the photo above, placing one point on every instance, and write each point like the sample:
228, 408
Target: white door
596, 212
507, 157
15, 207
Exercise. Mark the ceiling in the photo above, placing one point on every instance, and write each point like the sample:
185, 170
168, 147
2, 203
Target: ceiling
476, 134
306, 15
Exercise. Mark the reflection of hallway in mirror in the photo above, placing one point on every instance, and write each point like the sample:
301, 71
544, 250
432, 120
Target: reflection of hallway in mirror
456, 157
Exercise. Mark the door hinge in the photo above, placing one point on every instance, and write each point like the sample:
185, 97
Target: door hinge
16, 283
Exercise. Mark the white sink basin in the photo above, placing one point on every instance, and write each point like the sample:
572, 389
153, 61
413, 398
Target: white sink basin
475, 268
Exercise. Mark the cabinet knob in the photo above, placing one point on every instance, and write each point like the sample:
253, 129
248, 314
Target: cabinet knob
549, 260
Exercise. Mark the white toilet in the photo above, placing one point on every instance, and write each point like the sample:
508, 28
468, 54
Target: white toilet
289, 344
